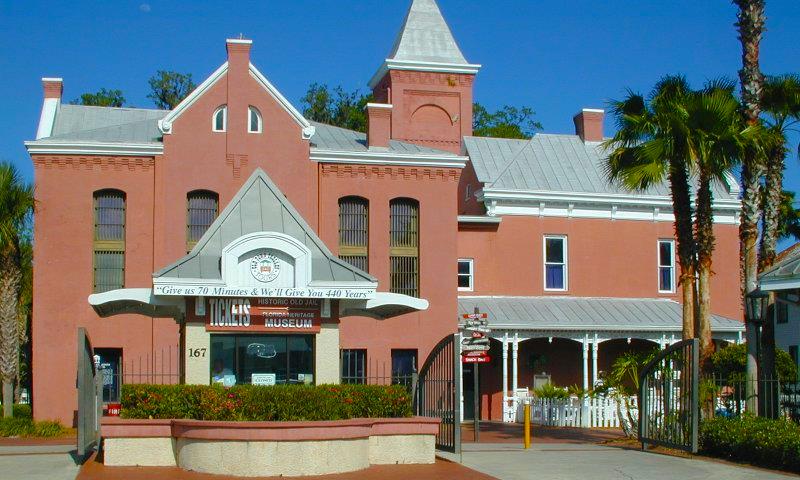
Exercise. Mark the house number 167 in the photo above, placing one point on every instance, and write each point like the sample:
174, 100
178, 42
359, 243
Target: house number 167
197, 352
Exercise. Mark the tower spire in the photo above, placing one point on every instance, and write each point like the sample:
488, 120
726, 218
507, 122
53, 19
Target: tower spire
426, 43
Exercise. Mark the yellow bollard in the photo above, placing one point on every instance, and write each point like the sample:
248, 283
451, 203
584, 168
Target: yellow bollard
527, 423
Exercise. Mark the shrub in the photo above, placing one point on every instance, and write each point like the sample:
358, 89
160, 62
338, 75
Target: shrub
48, 428
757, 440
265, 403
21, 426
22, 411
548, 390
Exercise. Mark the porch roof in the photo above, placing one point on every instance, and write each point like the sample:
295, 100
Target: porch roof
586, 314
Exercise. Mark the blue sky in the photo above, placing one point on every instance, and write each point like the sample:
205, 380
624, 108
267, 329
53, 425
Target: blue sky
554, 56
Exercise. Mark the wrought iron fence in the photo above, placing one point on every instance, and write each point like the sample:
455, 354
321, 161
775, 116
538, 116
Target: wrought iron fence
728, 397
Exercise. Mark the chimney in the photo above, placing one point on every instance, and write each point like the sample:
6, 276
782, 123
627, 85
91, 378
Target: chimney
238, 53
589, 124
379, 125
53, 89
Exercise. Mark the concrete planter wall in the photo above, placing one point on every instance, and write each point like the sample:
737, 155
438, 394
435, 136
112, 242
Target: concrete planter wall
250, 449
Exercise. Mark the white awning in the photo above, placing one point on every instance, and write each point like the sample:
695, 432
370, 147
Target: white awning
384, 305
136, 300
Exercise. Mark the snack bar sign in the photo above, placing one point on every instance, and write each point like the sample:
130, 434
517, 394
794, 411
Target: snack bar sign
278, 315
475, 343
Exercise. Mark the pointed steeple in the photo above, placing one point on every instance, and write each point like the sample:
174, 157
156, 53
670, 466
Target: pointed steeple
425, 43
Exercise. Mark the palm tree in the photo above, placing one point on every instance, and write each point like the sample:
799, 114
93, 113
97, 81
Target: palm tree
780, 102
16, 206
24, 309
750, 22
716, 138
650, 146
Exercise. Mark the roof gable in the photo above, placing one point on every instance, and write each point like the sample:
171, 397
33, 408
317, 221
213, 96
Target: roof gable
259, 206
165, 124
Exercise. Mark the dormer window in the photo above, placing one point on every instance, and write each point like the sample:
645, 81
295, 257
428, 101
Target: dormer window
219, 121
254, 123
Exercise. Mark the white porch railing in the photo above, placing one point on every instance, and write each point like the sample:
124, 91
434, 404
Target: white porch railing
575, 412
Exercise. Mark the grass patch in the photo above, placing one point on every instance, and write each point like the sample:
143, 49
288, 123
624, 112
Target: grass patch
23, 425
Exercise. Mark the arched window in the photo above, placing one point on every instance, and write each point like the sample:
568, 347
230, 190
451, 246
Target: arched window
219, 121
404, 246
354, 231
109, 240
254, 123
202, 207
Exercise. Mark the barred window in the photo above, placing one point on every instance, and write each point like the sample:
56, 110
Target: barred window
354, 365
354, 231
404, 246
201, 210
109, 240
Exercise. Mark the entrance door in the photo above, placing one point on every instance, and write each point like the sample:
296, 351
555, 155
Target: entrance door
468, 381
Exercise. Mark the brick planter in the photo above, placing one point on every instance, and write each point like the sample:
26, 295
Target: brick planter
250, 449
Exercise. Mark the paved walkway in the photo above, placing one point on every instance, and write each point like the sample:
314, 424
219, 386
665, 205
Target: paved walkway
584, 461
499, 432
38, 462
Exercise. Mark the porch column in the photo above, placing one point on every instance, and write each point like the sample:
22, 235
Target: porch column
514, 366
594, 361
505, 376
585, 343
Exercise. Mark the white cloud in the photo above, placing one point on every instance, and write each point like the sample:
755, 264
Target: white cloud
145, 7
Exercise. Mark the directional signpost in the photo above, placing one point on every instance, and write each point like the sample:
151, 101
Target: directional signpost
475, 347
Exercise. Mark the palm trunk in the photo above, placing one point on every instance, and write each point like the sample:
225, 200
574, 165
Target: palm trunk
773, 186
10, 277
682, 207
705, 250
750, 23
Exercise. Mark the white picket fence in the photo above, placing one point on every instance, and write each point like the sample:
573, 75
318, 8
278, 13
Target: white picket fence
576, 412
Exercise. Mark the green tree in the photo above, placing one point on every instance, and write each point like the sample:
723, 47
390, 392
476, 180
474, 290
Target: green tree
788, 217
651, 146
103, 98
168, 88
716, 139
780, 103
24, 310
730, 362
16, 207
750, 21
336, 106
508, 122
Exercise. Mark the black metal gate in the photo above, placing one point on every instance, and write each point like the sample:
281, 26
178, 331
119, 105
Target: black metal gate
89, 389
438, 392
669, 410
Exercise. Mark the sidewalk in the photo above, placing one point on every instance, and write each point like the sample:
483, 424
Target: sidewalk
36, 460
564, 461
441, 470
499, 432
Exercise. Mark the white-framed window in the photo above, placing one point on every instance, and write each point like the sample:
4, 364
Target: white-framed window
254, 122
466, 275
219, 121
666, 266
555, 263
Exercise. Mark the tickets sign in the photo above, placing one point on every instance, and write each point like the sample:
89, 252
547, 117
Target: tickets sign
263, 315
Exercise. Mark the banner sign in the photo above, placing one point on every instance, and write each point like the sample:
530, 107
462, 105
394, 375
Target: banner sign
310, 292
264, 315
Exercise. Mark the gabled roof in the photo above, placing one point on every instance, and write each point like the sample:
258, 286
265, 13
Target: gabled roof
329, 137
784, 274
259, 206
554, 163
106, 124
586, 313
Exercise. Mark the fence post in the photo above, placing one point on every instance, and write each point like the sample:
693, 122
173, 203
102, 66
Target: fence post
527, 422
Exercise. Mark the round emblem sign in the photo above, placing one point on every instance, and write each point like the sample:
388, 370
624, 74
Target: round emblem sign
265, 267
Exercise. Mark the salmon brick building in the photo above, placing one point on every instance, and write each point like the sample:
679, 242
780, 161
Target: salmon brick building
232, 240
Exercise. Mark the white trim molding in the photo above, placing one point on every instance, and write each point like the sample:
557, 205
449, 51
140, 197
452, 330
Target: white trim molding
388, 158
439, 67
479, 219
165, 124
94, 148
655, 208
47, 119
